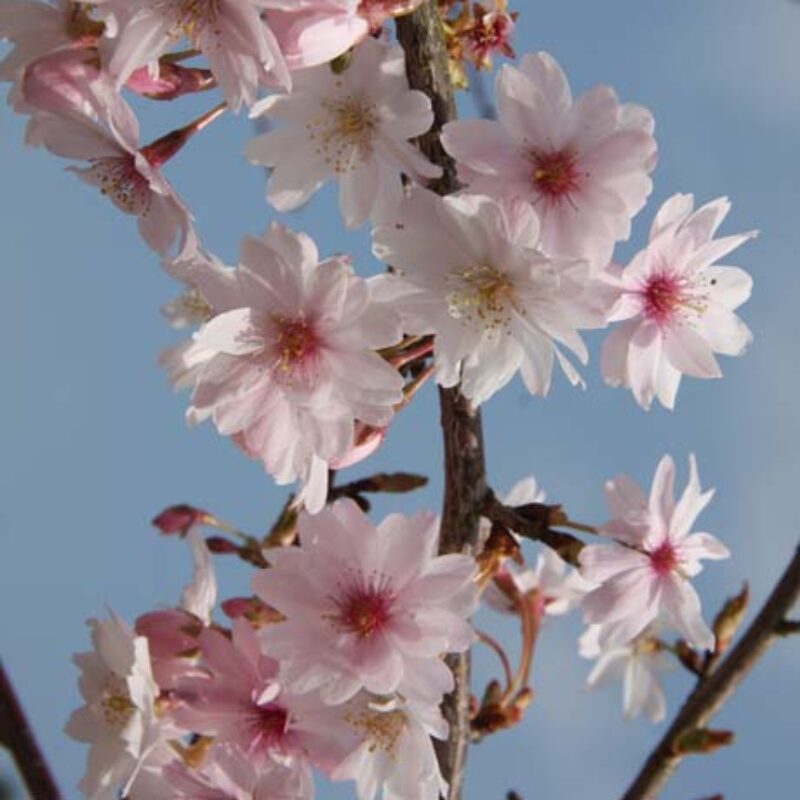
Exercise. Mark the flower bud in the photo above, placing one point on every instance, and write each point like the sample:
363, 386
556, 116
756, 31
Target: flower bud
169, 81
179, 518
702, 740
221, 545
729, 619
252, 609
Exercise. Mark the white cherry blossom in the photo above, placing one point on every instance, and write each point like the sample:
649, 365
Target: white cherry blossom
637, 664
119, 717
241, 50
472, 274
352, 125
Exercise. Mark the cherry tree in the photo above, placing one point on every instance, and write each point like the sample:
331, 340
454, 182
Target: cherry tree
498, 243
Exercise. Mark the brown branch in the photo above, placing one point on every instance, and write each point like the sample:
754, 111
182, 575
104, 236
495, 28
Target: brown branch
17, 736
422, 38
713, 690
533, 521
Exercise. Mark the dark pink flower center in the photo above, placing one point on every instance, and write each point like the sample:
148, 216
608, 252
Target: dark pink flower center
662, 295
555, 174
269, 726
663, 559
297, 342
365, 609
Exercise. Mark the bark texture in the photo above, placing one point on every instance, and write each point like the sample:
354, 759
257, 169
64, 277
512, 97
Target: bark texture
422, 37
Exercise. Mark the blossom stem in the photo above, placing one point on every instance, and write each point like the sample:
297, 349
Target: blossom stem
206, 119
530, 616
422, 37
715, 688
17, 736
501, 654
533, 522
161, 150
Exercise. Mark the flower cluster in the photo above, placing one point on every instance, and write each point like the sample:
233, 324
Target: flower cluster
337, 662
642, 582
346, 678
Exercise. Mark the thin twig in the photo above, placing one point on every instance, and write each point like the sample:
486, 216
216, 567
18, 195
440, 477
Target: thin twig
533, 522
713, 690
17, 736
422, 38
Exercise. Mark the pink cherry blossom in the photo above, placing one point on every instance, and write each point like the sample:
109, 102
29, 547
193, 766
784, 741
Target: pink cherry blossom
240, 700
367, 607
637, 664
288, 365
678, 305
353, 125
645, 573
241, 50
314, 32
119, 718
77, 114
227, 773
39, 29
582, 164
472, 275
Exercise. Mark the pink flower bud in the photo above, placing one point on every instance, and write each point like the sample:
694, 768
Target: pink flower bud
252, 609
179, 518
169, 81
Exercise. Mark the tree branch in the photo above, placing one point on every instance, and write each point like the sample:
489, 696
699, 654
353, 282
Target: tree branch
712, 691
533, 521
422, 37
17, 736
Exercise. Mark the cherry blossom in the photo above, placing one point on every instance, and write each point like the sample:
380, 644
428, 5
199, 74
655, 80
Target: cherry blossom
367, 607
314, 32
352, 125
38, 29
240, 701
582, 164
288, 365
645, 573
119, 718
225, 774
241, 50
79, 116
470, 273
678, 305
637, 664
553, 586
390, 752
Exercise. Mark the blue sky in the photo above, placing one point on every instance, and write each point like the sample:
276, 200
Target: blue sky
94, 442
